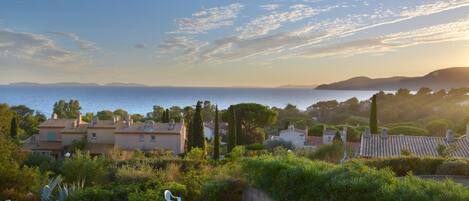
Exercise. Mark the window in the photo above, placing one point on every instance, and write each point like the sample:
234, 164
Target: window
51, 136
142, 138
153, 138
93, 136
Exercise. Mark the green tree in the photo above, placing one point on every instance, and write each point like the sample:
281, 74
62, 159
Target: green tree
165, 117
374, 115
231, 118
156, 114
14, 128
250, 121
216, 138
67, 110
105, 115
198, 127
5, 120
121, 113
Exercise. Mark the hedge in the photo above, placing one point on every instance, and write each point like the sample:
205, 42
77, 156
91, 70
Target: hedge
402, 166
291, 178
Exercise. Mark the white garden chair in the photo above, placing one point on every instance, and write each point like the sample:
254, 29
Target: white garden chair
168, 196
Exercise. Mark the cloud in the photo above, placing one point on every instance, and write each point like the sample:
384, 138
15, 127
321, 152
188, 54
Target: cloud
35, 48
208, 19
184, 46
269, 7
80, 43
139, 46
264, 24
453, 31
326, 37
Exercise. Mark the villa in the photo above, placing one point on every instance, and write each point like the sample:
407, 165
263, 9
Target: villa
101, 136
209, 129
384, 145
300, 139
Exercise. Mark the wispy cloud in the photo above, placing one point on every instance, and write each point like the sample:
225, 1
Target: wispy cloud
264, 24
184, 46
79, 42
269, 7
208, 19
36, 49
453, 31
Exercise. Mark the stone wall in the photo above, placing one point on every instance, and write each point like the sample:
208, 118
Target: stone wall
252, 194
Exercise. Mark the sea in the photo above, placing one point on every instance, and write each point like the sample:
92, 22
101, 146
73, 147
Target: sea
142, 99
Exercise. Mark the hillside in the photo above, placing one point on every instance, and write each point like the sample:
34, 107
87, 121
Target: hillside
440, 79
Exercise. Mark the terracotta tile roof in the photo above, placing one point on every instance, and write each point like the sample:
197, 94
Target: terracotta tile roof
155, 128
57, 123
104, 124
377, 146
81, 129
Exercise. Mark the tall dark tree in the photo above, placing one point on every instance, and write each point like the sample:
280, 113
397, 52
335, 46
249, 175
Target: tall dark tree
374, 115
216, 138
198, 127
190, 135
14, 127
231, 128
165, 117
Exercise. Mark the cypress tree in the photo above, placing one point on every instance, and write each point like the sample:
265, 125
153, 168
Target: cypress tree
190, 136
374, 115
232, 129
198, 127
216, 138
14, 127
239, 128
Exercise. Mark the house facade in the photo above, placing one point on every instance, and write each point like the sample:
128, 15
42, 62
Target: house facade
101, 136
296, 136
384, 145
209, 129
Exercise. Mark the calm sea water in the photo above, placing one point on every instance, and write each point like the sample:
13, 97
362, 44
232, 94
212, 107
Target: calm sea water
141, 99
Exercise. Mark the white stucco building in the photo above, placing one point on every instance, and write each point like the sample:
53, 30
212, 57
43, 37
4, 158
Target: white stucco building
296, 136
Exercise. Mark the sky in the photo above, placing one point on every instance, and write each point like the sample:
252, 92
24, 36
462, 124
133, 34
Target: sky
225, 43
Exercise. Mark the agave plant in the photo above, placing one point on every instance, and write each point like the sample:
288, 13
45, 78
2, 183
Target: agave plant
63, 190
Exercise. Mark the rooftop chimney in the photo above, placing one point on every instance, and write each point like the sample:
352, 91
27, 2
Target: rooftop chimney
54, 116
79, 119
344, 134
306, 130
449, 136
384, 133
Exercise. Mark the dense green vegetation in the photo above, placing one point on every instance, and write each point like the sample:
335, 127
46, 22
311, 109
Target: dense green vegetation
291, 178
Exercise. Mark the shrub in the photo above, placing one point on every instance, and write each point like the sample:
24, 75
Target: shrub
227, 190
272, 144
293, 178
316, 130
136, 173
331, 153
454, 167
402, 166
94, 193
407, 130
195, 154
82, 166
437, 127
255, 147
43, 162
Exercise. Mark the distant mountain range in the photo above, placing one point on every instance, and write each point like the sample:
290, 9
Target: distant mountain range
72, 84
441, 79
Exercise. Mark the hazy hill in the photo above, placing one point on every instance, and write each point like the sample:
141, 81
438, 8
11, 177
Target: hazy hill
440, 79
77, 84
